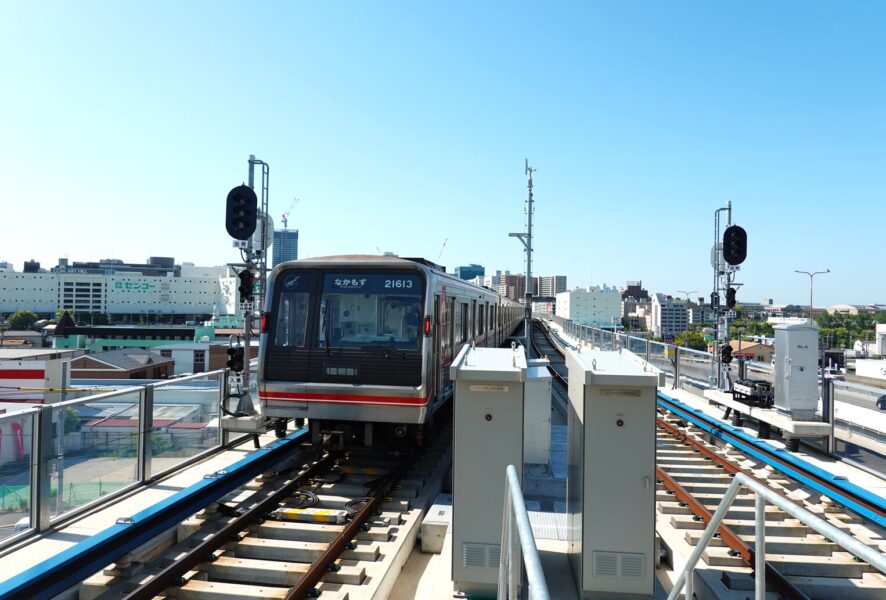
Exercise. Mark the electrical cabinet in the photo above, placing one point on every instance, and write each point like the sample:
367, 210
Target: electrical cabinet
796, 369
537, 410
610, 488
488, 436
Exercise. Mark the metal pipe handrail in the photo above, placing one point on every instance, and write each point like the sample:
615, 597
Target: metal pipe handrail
509, 571
763, 495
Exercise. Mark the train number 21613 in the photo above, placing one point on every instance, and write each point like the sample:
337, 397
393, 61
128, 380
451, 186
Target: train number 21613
398, 283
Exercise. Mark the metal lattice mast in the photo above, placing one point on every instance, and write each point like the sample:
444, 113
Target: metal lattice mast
526, 238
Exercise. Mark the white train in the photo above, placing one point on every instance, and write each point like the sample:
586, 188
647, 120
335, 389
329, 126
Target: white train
352, 342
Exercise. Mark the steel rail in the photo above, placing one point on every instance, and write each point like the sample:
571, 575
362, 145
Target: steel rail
69, 567
306, 586
773, 576
171, 576
859, 501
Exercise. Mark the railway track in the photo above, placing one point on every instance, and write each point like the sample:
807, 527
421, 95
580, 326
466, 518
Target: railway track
322, 524
694, 468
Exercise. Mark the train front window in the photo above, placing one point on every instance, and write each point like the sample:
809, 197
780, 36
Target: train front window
293, 311
370, 309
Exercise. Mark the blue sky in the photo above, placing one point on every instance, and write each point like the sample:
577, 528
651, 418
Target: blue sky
399, 125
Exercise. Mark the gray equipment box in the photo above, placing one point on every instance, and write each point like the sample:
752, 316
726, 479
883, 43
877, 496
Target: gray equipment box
610, 493
796, 369
537, 410
488, 434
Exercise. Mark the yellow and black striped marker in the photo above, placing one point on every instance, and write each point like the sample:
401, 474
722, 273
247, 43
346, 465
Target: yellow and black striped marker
311, 515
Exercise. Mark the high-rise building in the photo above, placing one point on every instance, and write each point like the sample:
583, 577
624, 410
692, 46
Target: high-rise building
285, 246
551, 286
470, 271
668, 317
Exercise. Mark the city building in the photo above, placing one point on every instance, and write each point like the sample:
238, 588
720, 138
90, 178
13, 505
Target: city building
514, 286
634, 290
31, 266
551, 286
596, 306
544, 306
128, 363
700, 313
163, 266
667, 317
114, 337
470, 271
285, 246
153, 292
854, 309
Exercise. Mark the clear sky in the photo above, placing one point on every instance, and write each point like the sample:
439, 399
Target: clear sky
401, 125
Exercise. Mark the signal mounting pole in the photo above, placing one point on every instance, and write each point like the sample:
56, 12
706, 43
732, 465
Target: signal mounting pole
526, 238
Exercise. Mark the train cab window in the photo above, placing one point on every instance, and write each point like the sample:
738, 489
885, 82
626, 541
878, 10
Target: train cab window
369, 309
293, 311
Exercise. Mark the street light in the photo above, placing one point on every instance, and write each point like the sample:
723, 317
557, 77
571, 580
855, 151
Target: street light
811, 277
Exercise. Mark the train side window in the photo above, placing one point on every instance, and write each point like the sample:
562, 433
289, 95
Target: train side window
480, 323
463, 326
292, 319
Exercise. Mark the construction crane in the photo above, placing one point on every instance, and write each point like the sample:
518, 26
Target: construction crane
442, 249
285, 217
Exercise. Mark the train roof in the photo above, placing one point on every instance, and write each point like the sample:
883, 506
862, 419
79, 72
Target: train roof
370, 258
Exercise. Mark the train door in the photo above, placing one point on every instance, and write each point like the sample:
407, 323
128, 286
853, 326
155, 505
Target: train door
436, 351
293, 315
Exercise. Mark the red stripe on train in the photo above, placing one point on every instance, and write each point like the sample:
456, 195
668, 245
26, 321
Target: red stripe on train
293, 396
23, 374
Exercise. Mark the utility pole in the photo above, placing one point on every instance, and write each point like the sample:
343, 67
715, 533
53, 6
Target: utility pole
526, 238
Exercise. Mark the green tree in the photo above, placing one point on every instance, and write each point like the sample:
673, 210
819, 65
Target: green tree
22, 319
690, 339
72, 419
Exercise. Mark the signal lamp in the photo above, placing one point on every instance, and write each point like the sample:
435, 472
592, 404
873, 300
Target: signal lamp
241, 212
236, 358
730, 298
427, 325
247, 282
735, 245
726, 354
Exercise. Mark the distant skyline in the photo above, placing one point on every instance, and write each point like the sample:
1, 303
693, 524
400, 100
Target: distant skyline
401, 125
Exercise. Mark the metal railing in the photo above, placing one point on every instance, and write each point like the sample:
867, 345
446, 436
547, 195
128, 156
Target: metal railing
690, 370
764, 495
62, 459
518, 546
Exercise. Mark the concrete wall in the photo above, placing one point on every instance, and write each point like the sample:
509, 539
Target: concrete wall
875, 369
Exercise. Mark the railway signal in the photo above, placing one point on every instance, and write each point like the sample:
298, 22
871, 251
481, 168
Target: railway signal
236, 360
735, 245
726, 354
247, 284
241, 212
730, 298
